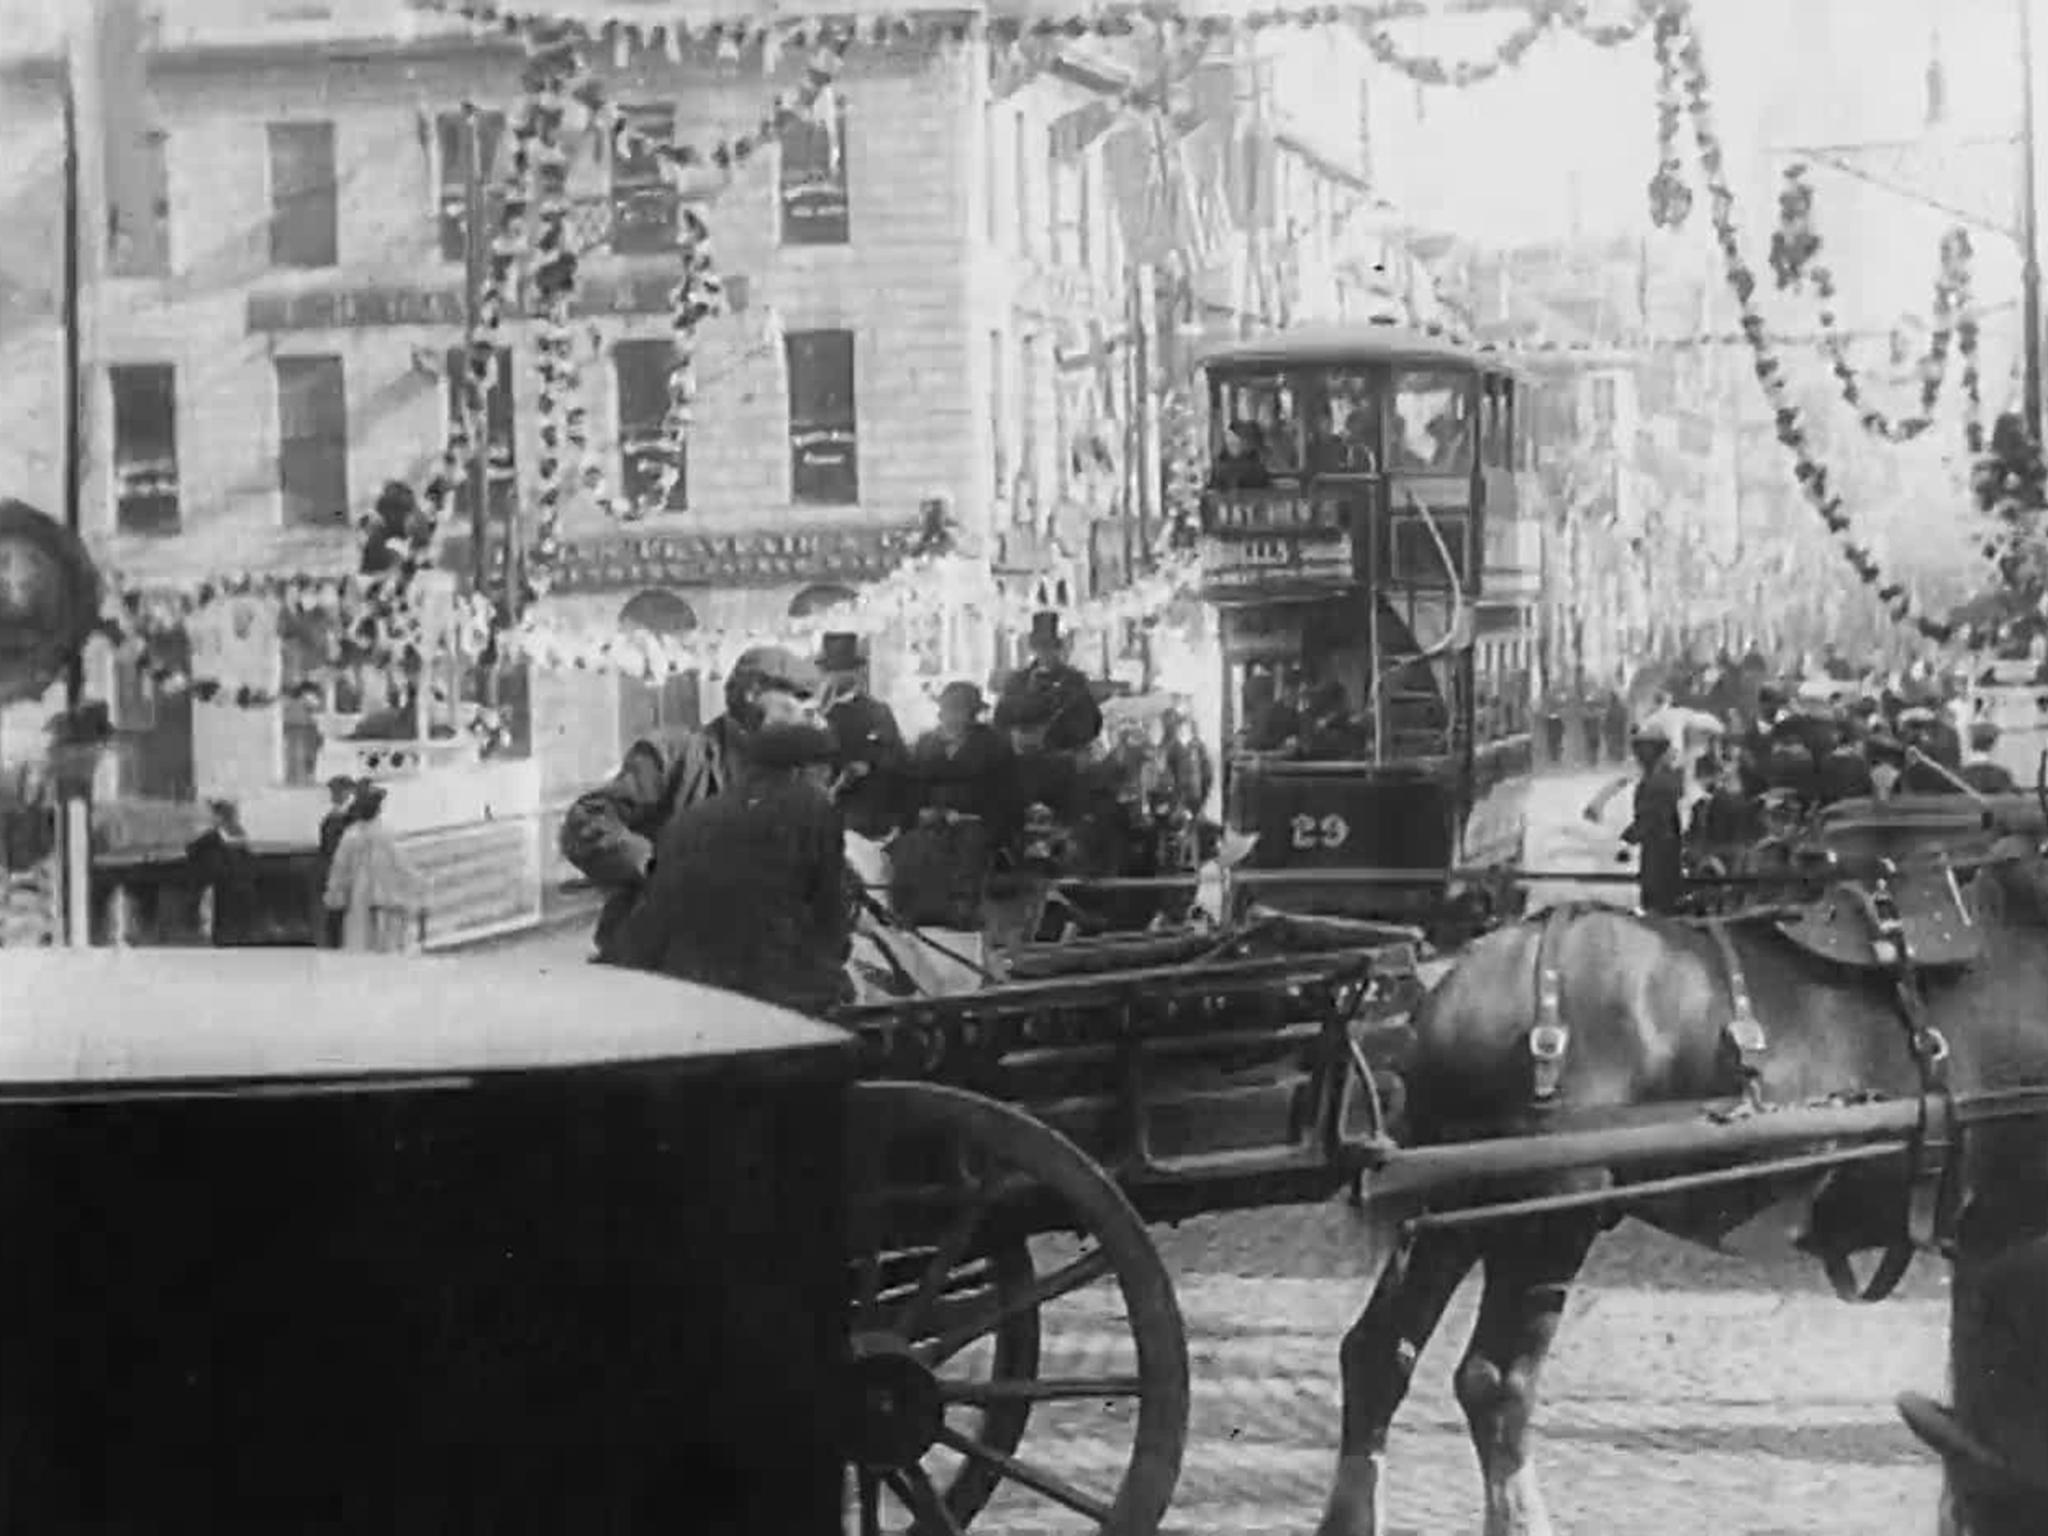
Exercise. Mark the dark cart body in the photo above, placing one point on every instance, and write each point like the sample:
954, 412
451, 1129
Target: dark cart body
1010, 1146
304, 1241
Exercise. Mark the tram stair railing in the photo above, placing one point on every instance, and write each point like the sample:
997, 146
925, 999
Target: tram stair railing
1394, 711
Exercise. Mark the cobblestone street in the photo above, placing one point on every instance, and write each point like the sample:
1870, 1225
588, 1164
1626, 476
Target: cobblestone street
1688, 1391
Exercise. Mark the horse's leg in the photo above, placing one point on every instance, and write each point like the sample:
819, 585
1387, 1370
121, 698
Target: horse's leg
1529, 1273
1375, 1363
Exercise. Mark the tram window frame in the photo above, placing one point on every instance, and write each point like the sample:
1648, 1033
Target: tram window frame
1404, 382
1226, 405
1492, 442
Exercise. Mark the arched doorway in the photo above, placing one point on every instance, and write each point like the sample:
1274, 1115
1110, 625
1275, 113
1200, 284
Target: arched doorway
819, 599
655, 706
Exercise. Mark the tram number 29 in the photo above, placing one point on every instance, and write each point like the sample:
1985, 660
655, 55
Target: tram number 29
1326, 832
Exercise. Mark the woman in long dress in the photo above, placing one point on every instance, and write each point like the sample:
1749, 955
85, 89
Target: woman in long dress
373, 884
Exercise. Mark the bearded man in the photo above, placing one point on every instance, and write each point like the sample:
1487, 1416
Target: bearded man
610, 832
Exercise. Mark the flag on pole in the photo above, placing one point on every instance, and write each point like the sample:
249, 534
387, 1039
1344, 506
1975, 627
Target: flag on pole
109, 48
1937, 83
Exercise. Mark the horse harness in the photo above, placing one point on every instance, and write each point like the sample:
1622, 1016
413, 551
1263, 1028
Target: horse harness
1888, 940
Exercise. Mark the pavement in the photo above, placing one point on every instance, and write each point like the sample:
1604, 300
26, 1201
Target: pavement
1687, 1391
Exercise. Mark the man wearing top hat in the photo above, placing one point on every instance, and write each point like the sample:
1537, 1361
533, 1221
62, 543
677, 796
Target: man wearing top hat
1051, 694
869, 770
610, 833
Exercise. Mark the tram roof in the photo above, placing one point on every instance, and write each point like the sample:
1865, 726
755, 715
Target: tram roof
1331, 343
137, 1017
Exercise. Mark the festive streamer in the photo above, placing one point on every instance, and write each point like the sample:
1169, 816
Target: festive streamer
549, 74
1682, 60
1796, 244
1544, 16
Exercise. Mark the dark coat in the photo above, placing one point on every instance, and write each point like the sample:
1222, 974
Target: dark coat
1657, 833
748, 893
975, 778
610, 832
869, 737
1056, 696
226, 867
332, 825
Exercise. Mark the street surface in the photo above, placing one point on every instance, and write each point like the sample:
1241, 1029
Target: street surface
1687, 1392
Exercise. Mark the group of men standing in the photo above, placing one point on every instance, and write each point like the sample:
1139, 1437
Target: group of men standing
1756, 780
722, 850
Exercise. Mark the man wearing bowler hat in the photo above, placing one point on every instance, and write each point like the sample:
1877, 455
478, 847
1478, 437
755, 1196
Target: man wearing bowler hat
1050, 694
869, 770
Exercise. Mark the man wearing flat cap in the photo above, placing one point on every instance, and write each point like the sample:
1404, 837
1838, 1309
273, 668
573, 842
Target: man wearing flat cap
869, 770
609, 834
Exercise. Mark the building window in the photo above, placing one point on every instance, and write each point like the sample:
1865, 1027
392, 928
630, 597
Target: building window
652, 707
823, 447
139, 211
312, 441
451, 139
643, 202
145, 447
642, 370
303, 220
813, 178
503, 462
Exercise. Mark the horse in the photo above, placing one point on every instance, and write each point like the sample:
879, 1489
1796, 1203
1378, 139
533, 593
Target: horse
1586, 1013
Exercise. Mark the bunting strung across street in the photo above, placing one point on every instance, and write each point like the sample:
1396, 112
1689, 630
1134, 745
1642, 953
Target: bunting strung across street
1796, 245
1544, 16
1682, 67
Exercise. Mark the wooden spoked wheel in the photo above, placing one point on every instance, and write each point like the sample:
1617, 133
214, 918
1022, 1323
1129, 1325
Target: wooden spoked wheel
957, 1303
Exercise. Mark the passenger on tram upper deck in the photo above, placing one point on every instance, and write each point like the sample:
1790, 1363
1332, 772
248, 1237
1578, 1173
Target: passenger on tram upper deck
1241, 466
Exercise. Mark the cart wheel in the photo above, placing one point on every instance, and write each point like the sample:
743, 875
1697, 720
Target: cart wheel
948, 1189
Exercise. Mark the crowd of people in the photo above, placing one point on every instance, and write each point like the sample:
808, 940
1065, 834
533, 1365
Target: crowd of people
721, 850
1718, 791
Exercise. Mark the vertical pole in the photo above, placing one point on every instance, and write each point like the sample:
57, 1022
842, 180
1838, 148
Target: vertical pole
74, 818
476, 255
2030, 226
1144, 377
476, 248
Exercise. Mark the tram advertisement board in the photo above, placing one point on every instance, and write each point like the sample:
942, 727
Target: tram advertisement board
1253, 540
1255, 564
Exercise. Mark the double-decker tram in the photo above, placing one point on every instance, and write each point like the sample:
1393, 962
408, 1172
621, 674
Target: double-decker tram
1370, 537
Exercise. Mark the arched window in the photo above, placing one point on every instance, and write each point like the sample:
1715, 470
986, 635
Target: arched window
658, 613
818, 599
654, 706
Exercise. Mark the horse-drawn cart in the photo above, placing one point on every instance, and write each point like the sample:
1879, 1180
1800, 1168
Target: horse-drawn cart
1010, 1146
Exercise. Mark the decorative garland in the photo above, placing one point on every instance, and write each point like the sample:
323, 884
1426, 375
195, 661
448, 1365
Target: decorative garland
555, 61
907, 594
1544, 15
1682, 61
1796, 243
733, 35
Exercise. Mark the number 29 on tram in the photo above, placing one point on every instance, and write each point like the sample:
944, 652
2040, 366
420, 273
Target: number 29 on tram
1370, 539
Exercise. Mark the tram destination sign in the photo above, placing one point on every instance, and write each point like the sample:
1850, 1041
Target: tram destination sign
1274, 513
